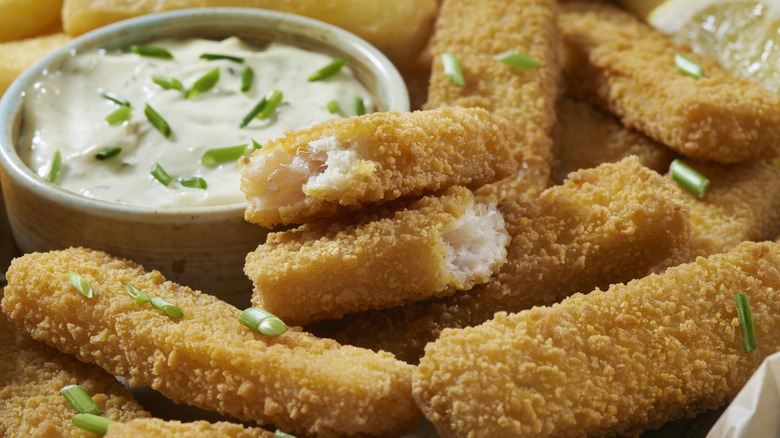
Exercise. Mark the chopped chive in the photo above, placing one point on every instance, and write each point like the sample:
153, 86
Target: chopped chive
217, 56
273, 99
121, 114
80, 284
746, 322
329, 70
167, 308
262, 321
161, 175
452, 69
688, 178
56, 165
204, 83
151, 51
138, 295
254, 112
80, 400
113, 97
360, 107
247, 77
255, 145
92, 423
220, 155
157, 121
687, 66
167, 82
333, 107
105, 154
518, 60
193, 182
280, 434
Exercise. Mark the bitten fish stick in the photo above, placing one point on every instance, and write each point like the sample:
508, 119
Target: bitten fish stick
609, 363
434, 246
346, 163
302, 384
628, 68
154, 427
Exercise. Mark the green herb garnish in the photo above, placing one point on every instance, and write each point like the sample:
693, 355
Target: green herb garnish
138, 295
157, 121
262, 321
204, 83
80, 284
161, 175
105, 154
263, 108
247, 77
151, 51
193, 182
333, 107
167, 82
360, 107
688, 178
92, 423
452, 70
113, 97
217, 56
121, 114
329, 70
687, 66
220, 155
746, 322
80, 400
56, 165
167, 308
518, 60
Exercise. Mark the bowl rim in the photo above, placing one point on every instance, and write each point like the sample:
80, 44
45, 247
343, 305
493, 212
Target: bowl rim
11, 103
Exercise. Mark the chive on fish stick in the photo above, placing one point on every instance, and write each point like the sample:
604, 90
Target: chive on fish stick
206, 358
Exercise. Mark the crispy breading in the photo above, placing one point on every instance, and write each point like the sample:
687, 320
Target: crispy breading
154, 427
31, 377
742, 203
628, 68
300, 383
588, 137
609, 363
608, 224
344, 164
477, 30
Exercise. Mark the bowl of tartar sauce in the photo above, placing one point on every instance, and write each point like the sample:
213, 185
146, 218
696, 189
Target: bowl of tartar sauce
126, 139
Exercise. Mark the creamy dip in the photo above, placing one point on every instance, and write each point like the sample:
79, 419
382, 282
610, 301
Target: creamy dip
65, 111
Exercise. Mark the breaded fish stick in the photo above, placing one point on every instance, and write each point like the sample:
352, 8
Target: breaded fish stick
628, 68
434, 246
302, 384
154, 427
475, 31
603, 225
609, 363
346, 163
31, 377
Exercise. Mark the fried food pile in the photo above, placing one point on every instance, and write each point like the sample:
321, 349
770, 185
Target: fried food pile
511, 258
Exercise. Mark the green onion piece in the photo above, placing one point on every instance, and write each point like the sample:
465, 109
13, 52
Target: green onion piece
138, 295
273, 99
122, 114
157, 121
746, 322
220, 155
518, 60
262, 321
333, 107
280, 434
452, 69
113, 97
92, 423
161, 175
105, 154
151, 51
167, 308
255, 145
194, 182
217, 56
204, 83
247, 77
690, 68
80, 284
329, 70
360, 107
254, 112
168, 82
56, 165
688, 178
80, 400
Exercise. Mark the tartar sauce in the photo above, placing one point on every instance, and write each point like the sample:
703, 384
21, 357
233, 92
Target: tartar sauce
66, 111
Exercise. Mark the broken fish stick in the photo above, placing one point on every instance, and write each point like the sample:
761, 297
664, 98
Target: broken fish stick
155, 427
609, 363
628, 68
432, 247
299, 383
475, 32
343, 164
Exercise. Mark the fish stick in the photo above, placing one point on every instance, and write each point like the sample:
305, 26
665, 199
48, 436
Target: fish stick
628, 68
301, 384
475, 31
603, 225
325, 270
609, 363
155, 427
344, 164
31, 377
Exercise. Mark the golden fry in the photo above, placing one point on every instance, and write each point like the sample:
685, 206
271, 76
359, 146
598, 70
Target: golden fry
24, 19
17, 56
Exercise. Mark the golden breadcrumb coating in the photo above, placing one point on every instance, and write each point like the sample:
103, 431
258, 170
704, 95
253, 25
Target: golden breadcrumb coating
609, 363
603, 225
742, 202
346, 163
154, 427
588, 137
31, 377
475, 31
628, 68
300, 383
435, 246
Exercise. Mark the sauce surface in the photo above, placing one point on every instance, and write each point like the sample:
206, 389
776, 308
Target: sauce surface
66, 111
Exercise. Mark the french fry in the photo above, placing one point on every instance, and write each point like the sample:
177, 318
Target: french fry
17, 56
19, 19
